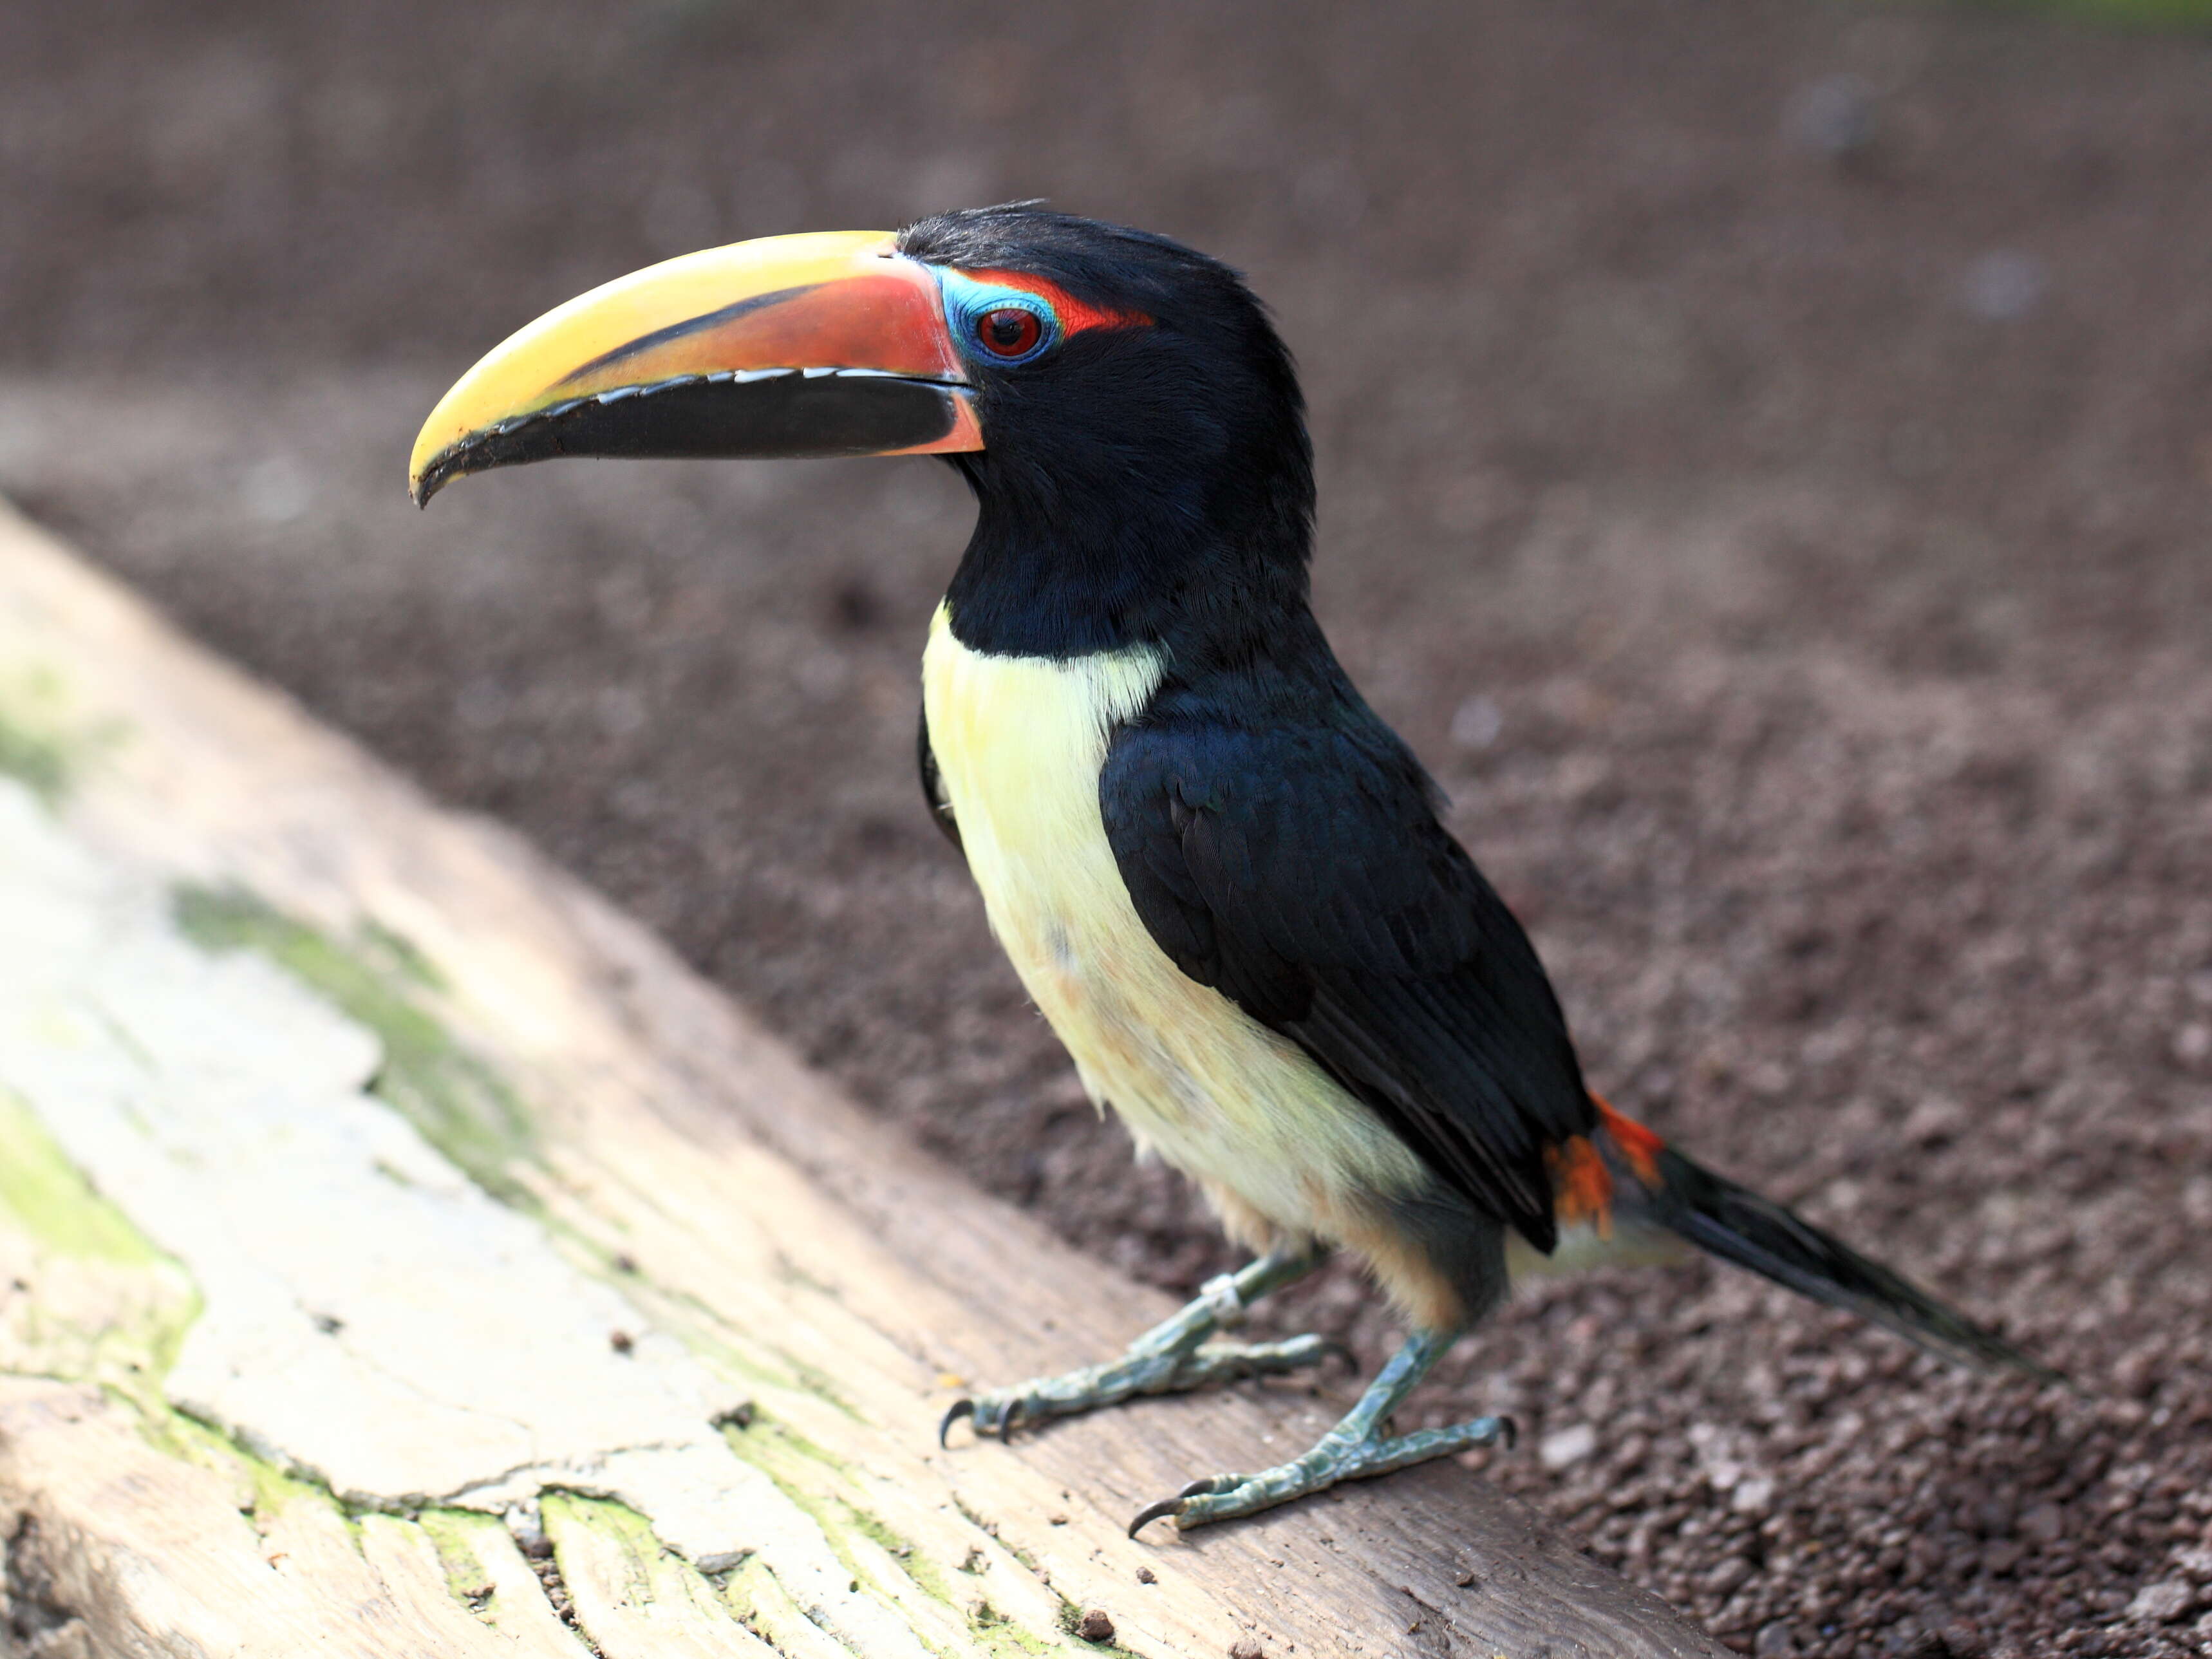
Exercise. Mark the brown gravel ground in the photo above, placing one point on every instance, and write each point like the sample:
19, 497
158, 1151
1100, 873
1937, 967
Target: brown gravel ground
1766, 459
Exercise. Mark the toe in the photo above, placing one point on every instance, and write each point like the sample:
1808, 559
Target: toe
1153, 1512
1175, 1506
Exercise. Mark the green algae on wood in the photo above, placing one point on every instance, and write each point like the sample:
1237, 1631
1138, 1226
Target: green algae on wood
946, 1616
618, 1573
452, 1535
48, 1197
803, 1470
460, 1537
487, 1573
42, 745
34, 758
757, 1596
268, 1484
455, 1101
87, 1297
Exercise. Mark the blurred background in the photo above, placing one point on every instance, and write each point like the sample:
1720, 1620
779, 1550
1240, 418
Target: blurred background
1767, 471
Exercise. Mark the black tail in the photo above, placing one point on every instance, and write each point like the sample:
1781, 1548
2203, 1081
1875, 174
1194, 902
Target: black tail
1738, 1226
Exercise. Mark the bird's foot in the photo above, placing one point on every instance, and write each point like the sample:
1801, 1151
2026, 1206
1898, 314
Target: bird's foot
1173, 1356
1355, 1448
1140, 1371
1339, 1455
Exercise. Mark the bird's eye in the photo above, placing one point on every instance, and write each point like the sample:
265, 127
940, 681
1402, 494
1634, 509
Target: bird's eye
1010, 331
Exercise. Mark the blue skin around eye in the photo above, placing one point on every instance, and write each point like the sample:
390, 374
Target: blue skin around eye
967, 301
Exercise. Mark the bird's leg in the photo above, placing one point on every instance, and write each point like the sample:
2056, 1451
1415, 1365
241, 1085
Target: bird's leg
1173, 1356
1353, 1449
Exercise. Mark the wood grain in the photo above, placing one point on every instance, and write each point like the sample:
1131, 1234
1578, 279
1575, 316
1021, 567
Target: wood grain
848, 1286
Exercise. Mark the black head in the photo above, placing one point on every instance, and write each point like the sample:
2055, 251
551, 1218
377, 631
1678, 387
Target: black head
1127, 415
1145, 475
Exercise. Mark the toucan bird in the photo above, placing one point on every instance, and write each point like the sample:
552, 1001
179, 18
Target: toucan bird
1219, 875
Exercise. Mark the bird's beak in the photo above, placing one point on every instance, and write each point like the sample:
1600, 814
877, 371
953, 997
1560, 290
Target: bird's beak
820, 344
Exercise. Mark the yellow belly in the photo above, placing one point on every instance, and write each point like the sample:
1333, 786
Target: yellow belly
1019, 743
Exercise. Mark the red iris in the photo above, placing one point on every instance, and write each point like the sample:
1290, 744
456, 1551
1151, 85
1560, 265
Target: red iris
1011, 331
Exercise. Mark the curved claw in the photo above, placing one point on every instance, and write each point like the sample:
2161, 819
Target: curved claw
960, 1409
1509, 1430
1342, 1351
1153, 1512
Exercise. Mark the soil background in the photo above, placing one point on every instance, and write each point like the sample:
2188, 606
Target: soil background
1767, 471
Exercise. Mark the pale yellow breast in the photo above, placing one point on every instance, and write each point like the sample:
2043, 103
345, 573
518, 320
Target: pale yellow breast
1019, 743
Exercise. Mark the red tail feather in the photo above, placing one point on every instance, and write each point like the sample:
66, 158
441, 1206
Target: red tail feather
1638, 1147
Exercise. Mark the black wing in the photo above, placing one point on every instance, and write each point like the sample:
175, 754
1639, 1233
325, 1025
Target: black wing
932, 786
1300, 869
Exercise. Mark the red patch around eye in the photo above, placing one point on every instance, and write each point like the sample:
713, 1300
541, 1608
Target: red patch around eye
1075, 315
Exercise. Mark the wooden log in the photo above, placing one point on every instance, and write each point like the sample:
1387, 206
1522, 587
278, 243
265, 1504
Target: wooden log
401, 1252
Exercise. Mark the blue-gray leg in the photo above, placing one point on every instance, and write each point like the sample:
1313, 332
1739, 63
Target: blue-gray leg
1355, 1448
1174, 1356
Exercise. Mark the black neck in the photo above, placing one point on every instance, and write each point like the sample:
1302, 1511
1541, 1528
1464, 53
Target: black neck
1065, 561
